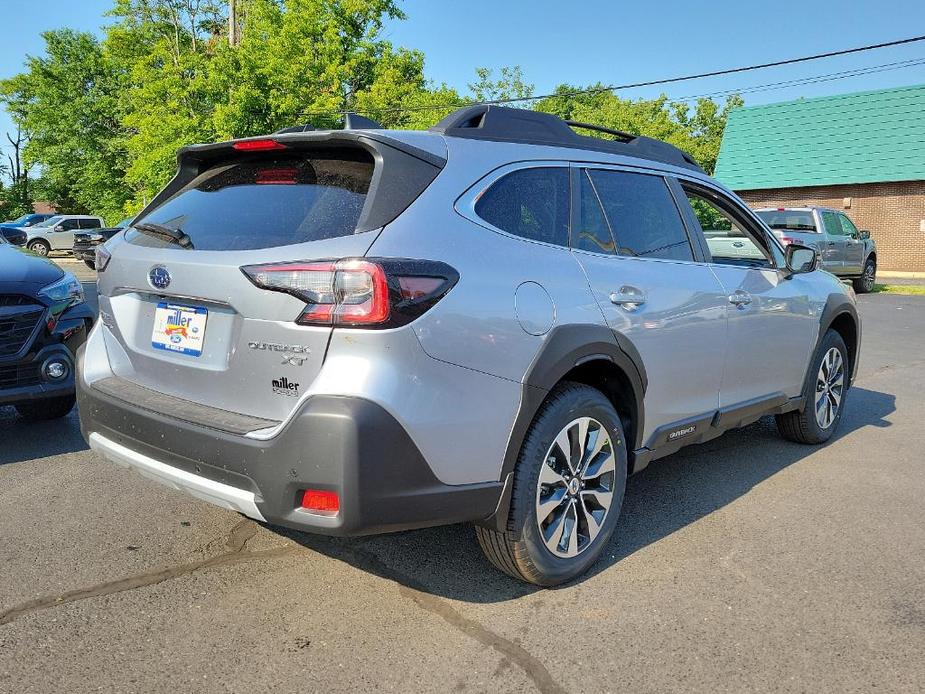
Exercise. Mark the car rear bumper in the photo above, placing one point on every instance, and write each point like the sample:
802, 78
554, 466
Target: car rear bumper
348, 445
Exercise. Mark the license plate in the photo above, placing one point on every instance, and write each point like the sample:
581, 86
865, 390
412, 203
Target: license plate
179, 328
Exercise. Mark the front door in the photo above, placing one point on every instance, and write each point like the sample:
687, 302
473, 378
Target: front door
854, 247
834, 247
63, 240
628, 236
771, 327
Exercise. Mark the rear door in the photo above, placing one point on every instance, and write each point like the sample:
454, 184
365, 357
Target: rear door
771, 325
185, 320
629, 237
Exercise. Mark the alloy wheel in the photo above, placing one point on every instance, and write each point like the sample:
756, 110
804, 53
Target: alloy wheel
830, 387
870, 274
575, 489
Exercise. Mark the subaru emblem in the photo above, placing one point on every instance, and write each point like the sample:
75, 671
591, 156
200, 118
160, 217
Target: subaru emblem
159, 277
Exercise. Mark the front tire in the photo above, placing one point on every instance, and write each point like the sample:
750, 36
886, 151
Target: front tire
865, 283
824, 400
45, 409
568, 490
40, 248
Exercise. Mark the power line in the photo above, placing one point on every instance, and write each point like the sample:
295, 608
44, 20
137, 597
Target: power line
872, 69
634, 85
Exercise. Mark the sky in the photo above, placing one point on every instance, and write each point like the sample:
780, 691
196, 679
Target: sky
609, 41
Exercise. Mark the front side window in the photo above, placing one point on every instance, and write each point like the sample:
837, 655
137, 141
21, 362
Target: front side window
642, 214
69, 224
727, 240
848, 226
530, 203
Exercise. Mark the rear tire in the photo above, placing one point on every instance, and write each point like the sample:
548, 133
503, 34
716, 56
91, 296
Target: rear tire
40, 248
865, 283
824, 400
48, 408
565, 503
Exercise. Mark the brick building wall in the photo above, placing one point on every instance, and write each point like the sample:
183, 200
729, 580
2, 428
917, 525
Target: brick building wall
894, 213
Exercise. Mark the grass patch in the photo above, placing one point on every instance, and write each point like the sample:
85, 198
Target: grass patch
907, 289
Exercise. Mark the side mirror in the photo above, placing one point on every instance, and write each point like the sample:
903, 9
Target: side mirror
27, 224
863, 235
801, 259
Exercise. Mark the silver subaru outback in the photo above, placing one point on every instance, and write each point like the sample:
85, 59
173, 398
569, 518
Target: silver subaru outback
495, 321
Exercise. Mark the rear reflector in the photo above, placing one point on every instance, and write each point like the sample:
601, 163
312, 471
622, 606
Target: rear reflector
321, 501
257, 145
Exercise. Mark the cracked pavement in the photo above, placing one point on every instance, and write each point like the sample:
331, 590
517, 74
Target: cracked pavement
744, 563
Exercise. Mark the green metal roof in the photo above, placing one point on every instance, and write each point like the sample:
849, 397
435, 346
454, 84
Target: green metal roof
866, 137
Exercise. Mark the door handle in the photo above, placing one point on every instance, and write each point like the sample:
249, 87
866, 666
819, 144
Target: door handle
740, 298
831, 243
628, 297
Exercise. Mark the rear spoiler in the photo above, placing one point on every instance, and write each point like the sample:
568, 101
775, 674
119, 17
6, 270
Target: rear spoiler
402, 171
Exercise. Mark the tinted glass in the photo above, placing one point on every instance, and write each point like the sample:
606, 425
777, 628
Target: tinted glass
50, 222
90, 224
832, 224
593, 232
532, 203
261, 202
727, 241
795, 220
643, 215
69, 224
848, 226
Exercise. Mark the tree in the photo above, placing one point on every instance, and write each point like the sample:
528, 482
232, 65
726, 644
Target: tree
698, 132
69, 102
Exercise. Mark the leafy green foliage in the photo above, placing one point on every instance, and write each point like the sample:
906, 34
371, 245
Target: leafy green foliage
104, 118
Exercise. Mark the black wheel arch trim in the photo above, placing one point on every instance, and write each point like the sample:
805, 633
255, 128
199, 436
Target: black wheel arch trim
838, 305
566, 347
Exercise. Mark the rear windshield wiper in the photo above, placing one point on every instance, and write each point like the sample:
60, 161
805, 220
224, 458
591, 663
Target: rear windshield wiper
177, 236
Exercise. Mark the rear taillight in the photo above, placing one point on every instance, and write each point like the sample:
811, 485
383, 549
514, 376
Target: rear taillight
787, 240
380, 293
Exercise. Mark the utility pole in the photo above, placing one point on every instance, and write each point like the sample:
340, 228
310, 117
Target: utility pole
233, 37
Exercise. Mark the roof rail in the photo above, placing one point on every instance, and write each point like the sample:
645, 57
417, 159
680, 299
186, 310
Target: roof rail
504, 124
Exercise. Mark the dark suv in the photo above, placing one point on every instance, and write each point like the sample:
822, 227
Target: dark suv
43, 320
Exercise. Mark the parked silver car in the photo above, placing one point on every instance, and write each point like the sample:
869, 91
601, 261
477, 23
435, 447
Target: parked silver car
57, 233
495, 321
845, 250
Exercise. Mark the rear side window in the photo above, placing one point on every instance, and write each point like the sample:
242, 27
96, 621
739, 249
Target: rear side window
90, 224
832, 224
643, 215
531, 203
262, 202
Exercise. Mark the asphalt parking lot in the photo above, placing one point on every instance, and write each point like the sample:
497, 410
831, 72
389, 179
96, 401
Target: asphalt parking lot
747, 563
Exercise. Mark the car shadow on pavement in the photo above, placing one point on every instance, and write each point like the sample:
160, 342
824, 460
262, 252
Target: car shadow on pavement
21, 440
665, 497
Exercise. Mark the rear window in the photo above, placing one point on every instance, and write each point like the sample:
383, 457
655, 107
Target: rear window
795, 220
262, 202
